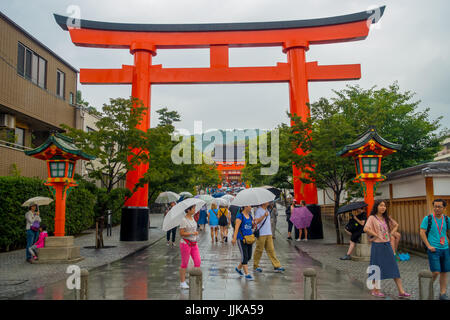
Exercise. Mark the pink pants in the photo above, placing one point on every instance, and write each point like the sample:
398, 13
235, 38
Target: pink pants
186, 252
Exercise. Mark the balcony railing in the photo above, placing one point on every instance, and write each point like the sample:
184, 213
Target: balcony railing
13, 146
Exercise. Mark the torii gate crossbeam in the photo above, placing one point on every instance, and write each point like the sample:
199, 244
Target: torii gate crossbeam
143, 41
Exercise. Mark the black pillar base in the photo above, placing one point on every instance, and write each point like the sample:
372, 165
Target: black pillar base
134, 224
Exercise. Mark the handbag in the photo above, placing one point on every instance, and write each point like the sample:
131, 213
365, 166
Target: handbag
35, 226
197, 216
250, 239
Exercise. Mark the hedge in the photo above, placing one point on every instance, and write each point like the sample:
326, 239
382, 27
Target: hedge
16, 190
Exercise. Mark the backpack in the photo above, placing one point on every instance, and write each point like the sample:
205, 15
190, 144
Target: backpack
430, 220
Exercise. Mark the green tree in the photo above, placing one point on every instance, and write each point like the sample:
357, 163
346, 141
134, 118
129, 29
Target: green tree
337, 122
117, 144
282, 179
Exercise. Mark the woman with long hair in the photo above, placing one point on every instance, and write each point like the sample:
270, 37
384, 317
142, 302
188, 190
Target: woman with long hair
380, 227
213, 222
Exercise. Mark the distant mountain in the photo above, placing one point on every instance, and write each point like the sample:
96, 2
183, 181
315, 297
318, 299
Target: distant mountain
209, 139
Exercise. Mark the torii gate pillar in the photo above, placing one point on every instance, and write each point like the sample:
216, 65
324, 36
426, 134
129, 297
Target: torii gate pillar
299, 98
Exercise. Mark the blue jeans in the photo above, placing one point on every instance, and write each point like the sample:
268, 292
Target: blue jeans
32, 237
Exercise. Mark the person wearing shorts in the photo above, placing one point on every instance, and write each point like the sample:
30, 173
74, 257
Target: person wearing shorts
437, 245
213, 222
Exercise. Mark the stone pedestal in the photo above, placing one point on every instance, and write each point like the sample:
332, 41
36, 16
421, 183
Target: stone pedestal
59, 250
362, 249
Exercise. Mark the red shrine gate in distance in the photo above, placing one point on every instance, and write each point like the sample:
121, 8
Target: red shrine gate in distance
143, 41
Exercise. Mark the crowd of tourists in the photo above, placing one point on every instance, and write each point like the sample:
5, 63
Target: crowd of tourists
256, 225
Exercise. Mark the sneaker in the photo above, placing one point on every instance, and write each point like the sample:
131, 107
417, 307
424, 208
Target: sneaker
258, 270
298, 240
306, 240
168, 243
184, 285
346, 257
226, 239
443, 296
280, 269
174, 244
249, 277
34, 257
239, 271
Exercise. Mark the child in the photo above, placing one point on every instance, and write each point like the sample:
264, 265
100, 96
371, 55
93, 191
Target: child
40, 242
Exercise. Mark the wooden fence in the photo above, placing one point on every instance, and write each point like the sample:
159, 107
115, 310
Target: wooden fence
408, 212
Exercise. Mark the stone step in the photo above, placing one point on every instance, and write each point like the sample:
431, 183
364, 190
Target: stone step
59, 241
58, 253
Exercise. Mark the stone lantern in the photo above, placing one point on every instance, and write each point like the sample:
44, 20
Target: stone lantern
368, 152
61, 156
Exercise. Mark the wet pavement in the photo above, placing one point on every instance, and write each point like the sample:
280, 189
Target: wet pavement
153, 273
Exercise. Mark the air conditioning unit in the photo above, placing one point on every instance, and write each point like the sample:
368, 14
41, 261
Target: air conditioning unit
7, 120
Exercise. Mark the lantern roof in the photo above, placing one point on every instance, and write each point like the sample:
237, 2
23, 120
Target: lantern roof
60, 146
370, 141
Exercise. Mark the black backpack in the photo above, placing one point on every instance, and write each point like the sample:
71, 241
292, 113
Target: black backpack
430, 220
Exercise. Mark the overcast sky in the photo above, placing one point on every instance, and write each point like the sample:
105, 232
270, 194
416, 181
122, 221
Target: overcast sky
410, 44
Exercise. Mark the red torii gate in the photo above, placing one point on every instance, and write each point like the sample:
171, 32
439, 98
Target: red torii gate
143, 40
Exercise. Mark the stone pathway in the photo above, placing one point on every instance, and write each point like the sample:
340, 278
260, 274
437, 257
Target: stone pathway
18, 276
153, 271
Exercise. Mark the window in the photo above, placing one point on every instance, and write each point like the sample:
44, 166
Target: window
31, 66
57, 169
370, 165
60, 83
70, 171
20, 136
71, 98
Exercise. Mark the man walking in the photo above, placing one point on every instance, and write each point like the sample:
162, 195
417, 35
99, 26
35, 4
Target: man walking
433, 232
265, 241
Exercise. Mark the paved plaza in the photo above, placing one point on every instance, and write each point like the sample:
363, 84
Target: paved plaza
149, 270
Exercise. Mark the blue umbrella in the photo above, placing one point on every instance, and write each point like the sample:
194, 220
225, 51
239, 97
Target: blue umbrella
218, 194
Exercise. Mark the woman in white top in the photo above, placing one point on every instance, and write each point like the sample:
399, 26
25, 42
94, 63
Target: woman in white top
31, 216
188, 244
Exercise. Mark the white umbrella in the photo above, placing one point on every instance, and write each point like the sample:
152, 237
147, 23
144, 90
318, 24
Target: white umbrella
221, 202
206, 197
175, 215
253, 197
186, 194
40, 201
167, 197
228, 197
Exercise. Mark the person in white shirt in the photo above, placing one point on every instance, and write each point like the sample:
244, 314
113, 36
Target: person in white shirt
265, 241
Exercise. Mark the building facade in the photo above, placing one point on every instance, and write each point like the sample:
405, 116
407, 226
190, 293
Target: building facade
230, 161
37, 94
444, 154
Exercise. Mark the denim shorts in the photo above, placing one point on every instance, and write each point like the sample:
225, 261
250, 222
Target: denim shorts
439, 260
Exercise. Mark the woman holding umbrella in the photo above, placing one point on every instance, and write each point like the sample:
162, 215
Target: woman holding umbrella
188, 244
244, 227
31, 217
